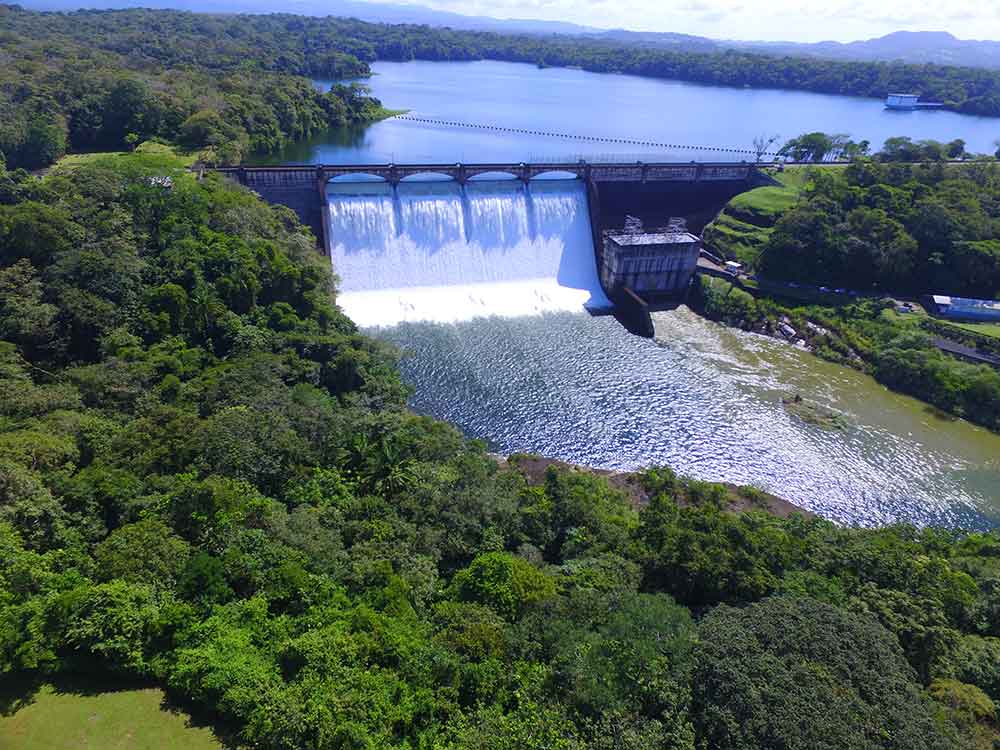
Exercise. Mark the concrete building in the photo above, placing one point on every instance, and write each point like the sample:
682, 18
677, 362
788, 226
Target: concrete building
654, 263
963, 308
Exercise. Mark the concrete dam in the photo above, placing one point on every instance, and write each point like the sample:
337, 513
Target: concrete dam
451, 242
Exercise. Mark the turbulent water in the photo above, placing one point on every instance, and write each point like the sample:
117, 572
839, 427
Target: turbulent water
485, 288
438, 251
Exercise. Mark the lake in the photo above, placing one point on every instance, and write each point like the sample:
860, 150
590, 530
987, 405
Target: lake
484, 287
576, 102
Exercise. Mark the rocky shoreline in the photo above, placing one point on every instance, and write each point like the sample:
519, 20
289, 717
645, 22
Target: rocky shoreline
737, 308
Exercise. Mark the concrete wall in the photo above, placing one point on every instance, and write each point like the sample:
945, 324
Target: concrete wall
656, 202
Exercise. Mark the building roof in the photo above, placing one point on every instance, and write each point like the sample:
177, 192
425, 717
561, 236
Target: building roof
962, 306
980, 304
652, 237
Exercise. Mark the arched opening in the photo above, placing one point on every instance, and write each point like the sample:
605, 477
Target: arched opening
556, 174
428, 177
492, 177
357, 177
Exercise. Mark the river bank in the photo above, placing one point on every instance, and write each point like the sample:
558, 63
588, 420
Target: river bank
868, 336
636, 486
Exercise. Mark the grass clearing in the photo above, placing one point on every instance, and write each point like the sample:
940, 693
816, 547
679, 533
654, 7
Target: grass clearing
73, 161
744, 226
984, 329
737, 239
762, 206
89, 717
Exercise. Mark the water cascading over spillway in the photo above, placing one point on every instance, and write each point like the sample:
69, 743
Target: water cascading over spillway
442, 252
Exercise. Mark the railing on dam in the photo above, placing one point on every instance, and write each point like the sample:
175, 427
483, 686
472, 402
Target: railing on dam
319, 175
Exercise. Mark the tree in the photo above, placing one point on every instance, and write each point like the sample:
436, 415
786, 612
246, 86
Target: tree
634, 667
45, 141
976, 265
506, 583
25, 318
142, 552
798, 674
203, 580
762, 145
809, 147
970, 711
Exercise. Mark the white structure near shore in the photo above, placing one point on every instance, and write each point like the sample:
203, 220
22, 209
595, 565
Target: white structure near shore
907, 101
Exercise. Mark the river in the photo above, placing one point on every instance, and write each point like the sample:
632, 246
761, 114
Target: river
484, 288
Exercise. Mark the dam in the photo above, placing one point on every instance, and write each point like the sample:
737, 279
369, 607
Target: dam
483, 284
437, 242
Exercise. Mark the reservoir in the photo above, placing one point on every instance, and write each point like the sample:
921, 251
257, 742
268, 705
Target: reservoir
485, 288
602, 105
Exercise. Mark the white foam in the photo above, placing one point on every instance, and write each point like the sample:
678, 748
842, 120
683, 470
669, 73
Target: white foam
452, 304
437, 252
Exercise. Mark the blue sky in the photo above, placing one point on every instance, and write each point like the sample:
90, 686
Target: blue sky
794, 20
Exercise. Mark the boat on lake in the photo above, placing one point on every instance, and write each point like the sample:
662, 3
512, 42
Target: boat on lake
908, 102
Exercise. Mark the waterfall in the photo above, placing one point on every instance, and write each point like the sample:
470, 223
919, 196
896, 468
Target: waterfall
437, 251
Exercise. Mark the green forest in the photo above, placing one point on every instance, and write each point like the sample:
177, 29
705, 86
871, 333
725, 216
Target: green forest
882, 225
103, 81
209, 481
232, 85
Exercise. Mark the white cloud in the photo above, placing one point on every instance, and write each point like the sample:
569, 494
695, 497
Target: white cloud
796, 20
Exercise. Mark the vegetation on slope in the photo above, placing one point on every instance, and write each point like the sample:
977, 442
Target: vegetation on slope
209, 479
917, 229
878, 226
867, 335
745, 225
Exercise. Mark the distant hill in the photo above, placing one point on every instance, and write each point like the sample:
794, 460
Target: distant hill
364, 11
938, 47
661, 39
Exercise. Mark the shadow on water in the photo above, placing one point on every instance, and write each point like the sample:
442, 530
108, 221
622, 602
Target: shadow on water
940, 414
349, 137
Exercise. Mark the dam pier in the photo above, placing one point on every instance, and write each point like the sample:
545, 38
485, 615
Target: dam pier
419, 225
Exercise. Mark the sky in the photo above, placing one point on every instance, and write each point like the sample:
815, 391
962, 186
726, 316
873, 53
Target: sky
791, 20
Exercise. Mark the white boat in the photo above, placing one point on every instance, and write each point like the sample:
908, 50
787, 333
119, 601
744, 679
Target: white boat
907, 102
